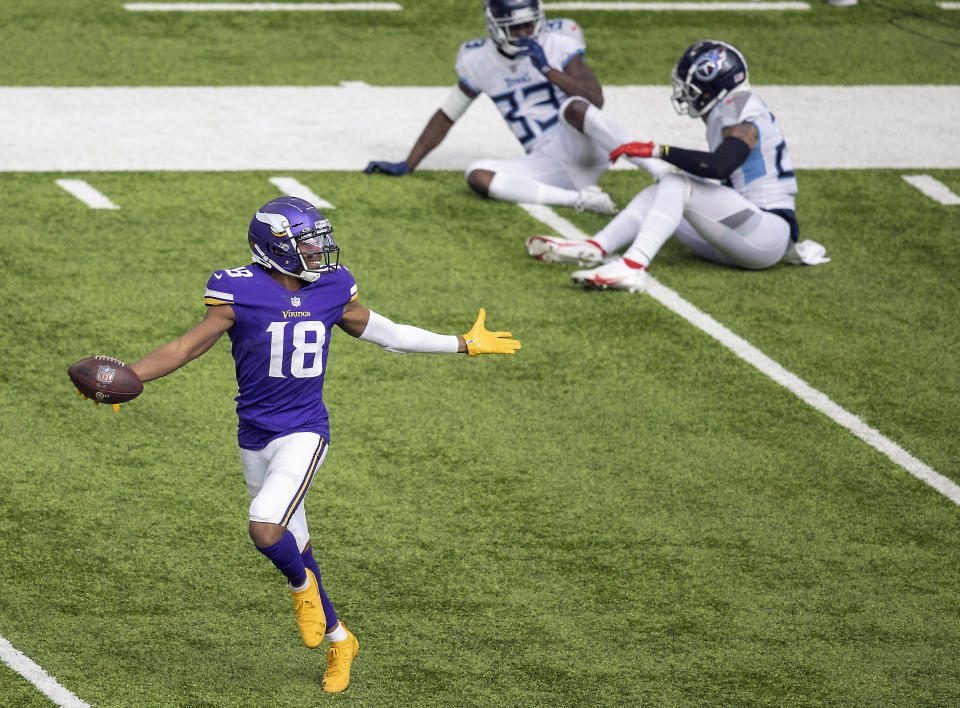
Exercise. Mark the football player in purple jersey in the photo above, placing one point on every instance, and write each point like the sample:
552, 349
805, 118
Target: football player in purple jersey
279, 313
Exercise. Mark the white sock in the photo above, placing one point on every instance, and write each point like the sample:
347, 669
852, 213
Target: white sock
306, 584
338, 634
604, 130
661, 220
515, 188
609, 135
619, 231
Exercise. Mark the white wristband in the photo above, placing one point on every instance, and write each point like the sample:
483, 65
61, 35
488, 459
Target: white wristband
403, 339
456, 103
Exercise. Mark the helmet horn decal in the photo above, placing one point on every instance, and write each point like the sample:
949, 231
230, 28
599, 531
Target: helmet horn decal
278, 223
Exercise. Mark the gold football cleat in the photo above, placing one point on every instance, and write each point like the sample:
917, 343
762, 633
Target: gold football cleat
310, 617
339, 660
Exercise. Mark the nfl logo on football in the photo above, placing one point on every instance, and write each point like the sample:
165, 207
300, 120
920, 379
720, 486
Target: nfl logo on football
105, 374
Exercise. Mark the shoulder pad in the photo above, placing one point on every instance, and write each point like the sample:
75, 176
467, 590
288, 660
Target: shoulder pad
472, 44
565, 25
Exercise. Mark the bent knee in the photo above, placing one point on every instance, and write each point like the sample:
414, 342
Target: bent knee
479, 180
265, 534
573, 111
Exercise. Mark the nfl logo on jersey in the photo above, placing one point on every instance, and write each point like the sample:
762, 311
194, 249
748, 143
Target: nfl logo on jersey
295, 301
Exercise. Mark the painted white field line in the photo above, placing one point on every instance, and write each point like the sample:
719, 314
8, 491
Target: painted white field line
86, 194
671, 6
258, 6
546, 215
32, 672
933, 188
295, 188
809, 395
949, 5
89, 129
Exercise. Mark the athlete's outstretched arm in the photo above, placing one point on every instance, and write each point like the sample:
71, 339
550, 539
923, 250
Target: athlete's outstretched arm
172, 355
433, 133
369, 326
738, 141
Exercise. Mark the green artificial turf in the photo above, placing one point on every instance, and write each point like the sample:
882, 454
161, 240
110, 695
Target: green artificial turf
622, 513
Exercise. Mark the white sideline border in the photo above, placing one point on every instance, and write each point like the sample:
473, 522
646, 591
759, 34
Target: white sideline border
34, 673
260, 6
94, 129
753, 356
674, 6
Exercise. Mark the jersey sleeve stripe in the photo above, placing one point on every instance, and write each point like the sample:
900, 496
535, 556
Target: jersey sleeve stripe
566, 61
216, 297
467, 84
219, 294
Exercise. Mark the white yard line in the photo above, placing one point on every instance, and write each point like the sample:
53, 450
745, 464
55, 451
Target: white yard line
753, 356
673, 6
86, 194
295, 188
933, 188
259, 6
949, 5
32, 672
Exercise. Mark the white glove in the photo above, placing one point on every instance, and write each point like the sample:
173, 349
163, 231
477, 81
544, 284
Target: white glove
806, 253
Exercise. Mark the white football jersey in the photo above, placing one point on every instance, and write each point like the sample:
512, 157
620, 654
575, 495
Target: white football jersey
525, 98
766, 178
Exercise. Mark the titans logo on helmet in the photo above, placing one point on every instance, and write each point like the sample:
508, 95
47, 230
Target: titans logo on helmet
708, 65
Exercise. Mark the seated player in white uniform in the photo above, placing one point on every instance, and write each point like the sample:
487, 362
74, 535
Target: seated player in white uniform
279, 313
747, 221
529, 67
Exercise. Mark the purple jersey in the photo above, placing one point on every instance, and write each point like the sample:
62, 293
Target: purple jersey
280, 343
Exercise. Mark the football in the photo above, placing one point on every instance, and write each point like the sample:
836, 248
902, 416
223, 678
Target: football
105, 379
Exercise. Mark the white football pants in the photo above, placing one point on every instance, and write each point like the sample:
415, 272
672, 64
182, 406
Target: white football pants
554, 173
278, 477
714, 221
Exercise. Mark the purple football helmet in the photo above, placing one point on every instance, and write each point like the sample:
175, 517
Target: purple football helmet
291, 235
707, 71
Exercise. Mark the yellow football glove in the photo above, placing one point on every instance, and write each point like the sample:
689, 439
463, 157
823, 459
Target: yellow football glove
481, 341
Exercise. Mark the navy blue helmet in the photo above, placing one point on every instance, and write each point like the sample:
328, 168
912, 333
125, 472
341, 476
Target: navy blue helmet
707, 71
292, 236
502, 15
